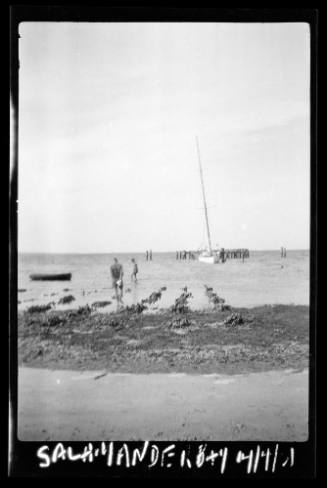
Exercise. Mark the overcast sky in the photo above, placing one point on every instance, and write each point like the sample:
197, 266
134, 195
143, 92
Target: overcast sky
107, 125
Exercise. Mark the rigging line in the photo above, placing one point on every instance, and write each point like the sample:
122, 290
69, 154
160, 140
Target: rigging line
204, 196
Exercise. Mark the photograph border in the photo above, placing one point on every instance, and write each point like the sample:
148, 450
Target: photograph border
22, 458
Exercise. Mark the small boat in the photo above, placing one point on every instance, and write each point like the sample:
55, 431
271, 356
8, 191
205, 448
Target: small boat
209, 258
51, 277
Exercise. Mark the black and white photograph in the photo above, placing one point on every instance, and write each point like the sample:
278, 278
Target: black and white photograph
163, 231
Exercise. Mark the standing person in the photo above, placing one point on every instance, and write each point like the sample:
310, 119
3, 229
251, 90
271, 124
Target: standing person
135, 271
147, 255
150, 254
117, 274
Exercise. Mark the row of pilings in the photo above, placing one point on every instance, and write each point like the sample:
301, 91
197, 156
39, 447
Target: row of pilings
185, 255
222, 253
236, 253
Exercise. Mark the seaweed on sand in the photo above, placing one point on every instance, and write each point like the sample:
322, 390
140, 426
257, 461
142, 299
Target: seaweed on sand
154, 297
81, 311
136, 308
53, 321
100, 304
234, 319
181, 303
270, 338
66, 299
117, 324
181, 310
140, 307
215, 300
40, 308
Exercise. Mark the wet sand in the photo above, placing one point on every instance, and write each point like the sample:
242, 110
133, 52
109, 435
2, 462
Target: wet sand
63, 405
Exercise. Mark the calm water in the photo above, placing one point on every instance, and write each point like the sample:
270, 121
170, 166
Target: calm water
259, 280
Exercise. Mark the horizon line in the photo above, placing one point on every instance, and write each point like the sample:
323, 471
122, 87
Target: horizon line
153, 251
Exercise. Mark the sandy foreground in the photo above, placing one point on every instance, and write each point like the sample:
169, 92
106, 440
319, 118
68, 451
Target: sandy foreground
63, 405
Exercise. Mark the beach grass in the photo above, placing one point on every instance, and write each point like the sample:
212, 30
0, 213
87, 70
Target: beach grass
270, 337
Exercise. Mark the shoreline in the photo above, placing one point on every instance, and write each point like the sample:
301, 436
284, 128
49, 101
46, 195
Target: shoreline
69, 253
271, 337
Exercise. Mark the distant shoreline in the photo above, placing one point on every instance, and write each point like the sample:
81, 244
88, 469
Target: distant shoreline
140, 252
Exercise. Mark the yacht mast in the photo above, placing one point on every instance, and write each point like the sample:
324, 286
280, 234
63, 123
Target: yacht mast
204, 196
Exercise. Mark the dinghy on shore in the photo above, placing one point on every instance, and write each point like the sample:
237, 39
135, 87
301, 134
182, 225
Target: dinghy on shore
51, 277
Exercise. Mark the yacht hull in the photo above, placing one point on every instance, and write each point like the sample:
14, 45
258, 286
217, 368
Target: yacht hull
209, 259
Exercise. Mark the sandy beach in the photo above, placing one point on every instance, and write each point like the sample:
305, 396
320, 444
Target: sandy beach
91, 376
72, 406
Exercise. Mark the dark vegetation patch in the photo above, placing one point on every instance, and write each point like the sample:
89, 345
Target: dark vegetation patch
101, 304
66, 299
267, 337
39, 308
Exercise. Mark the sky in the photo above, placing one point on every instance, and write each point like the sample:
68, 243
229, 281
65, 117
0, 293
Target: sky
108, 115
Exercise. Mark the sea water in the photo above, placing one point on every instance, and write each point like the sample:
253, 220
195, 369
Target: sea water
263, 278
